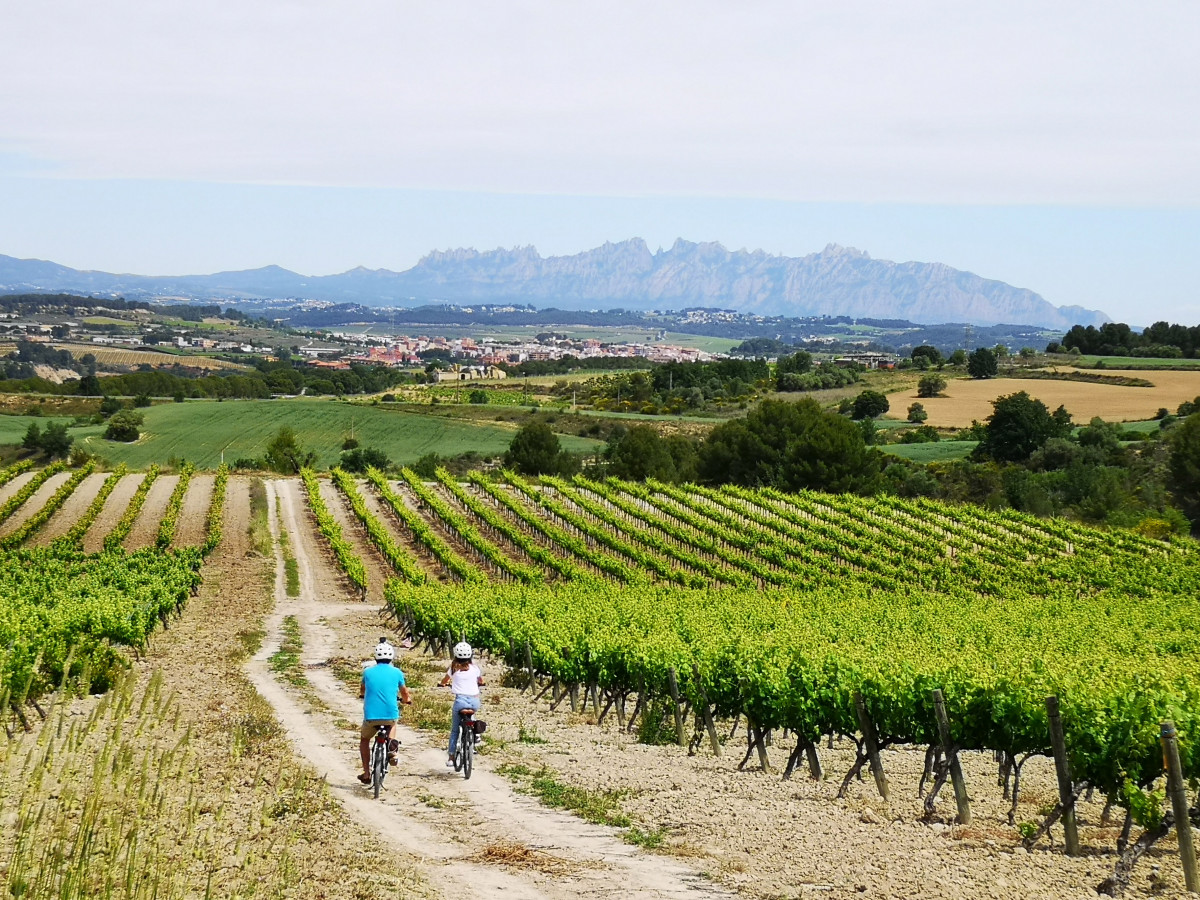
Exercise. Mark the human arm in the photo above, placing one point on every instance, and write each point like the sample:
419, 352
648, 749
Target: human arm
405, 696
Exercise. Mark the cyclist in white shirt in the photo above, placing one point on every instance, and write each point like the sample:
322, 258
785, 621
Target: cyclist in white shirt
464, 680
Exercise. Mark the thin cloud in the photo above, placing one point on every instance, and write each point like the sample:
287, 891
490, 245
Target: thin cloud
866, 101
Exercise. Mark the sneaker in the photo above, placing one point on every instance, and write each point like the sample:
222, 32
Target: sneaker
478, 742
392, 759
450, 762
393, 746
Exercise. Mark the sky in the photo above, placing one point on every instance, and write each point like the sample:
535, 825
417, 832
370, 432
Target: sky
1053, 146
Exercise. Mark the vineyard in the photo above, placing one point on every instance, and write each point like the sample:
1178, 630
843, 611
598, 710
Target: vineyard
63, 611
804, 618
814, 616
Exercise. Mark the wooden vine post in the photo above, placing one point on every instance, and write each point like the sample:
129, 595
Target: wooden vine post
706, 713
951, 752
872, 745
673, 687
1177, 791
1066, 790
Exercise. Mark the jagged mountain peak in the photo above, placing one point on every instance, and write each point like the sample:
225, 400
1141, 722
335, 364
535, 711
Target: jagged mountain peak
835, 281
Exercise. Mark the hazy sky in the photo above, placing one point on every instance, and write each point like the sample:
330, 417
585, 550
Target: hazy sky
1055, 146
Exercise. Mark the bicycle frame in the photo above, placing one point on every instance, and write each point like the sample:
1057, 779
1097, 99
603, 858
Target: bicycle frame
379, 759
465, 753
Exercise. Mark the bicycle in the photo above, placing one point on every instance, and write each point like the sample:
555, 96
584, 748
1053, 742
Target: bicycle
464, 756
379, 759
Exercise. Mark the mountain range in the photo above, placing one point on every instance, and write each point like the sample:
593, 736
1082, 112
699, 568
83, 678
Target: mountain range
837, 281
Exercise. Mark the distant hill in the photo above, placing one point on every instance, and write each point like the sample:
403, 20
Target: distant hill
836, 281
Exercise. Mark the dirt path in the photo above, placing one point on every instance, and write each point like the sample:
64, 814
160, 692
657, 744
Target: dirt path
457, 818
15, 485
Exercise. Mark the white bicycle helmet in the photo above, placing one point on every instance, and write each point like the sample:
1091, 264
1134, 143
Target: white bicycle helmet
462, 650
384, 651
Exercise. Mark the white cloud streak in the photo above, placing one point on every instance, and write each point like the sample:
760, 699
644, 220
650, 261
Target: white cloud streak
925, 101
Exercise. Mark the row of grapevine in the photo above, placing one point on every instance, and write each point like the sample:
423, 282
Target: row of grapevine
215, 510
166, 528
399, 558
470, 535
115, 538
8, 474
350, 562
423, 532
788, 658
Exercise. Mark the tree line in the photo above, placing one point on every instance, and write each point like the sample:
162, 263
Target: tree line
1161, 340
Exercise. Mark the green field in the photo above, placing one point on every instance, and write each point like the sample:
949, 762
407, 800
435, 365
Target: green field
1134, 362
201, 431
938, 451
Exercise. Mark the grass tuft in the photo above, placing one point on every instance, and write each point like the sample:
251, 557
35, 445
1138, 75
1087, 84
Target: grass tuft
599, 807
260, 528
529, 735
286, 660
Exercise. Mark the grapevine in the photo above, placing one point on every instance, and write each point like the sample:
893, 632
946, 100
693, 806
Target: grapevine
350, 562
423, 532
396, 555
116, 537
166, 529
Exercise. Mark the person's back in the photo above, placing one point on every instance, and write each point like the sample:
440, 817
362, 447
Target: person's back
465, 680
381, 686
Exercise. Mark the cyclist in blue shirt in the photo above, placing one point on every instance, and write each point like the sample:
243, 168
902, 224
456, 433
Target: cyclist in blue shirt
382, 685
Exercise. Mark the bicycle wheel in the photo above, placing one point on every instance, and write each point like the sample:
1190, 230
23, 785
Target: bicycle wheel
467, 742
378, 767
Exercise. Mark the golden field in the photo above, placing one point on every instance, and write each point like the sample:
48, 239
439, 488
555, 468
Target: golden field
969, 398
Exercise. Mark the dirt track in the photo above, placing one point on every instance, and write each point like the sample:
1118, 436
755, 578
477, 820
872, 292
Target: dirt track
484, 810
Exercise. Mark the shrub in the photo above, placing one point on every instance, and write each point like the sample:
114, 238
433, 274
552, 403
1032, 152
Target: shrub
869, 404
125, 426
930, 385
